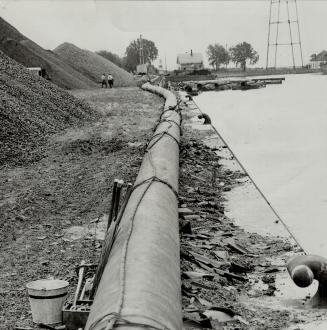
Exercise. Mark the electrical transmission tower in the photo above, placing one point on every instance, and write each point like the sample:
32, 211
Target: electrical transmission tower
283, 13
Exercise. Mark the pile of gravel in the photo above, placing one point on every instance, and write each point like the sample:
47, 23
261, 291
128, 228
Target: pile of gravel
31, 108
28, 53
93, 65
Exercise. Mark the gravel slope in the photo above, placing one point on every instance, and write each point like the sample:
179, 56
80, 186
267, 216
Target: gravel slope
30, 54
93, 65
30, 109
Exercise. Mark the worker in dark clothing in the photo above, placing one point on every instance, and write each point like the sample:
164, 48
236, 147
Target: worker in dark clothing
104, 81
110, 80
207, 120
304, 269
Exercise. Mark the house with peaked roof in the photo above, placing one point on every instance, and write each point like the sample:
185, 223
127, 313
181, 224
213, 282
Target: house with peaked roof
318, 60
190, 61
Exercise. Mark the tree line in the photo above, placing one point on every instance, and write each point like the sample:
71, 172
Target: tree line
132, 54
218, 55
241, 54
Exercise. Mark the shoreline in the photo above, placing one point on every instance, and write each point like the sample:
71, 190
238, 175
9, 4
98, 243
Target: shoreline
285, 298
248, 73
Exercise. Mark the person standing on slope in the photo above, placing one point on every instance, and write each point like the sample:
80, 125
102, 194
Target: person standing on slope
103, 81
110, 80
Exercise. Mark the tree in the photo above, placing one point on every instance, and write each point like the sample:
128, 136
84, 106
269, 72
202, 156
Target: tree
217, 55
114, 58
150, 52
242, 53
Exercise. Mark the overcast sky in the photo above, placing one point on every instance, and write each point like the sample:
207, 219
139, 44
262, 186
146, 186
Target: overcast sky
174, 26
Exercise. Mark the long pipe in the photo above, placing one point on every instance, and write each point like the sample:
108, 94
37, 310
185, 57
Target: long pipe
140, 286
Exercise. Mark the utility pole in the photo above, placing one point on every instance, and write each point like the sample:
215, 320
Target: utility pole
165, 63
141, 50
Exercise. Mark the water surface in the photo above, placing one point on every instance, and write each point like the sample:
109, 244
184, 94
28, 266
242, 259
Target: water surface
280, 134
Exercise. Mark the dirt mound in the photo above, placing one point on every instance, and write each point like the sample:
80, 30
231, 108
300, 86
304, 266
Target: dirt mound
28, 53
31, 108
93, 65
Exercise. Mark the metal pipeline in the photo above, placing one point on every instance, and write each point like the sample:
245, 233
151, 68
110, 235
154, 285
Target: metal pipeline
304, 269
140, 286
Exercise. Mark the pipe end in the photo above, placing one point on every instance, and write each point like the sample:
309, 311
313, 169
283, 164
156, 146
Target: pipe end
302, 276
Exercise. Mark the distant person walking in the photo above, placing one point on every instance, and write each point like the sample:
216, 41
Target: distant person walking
104, 81
110, 80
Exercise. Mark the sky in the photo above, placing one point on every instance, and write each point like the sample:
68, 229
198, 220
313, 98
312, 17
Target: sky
175, 26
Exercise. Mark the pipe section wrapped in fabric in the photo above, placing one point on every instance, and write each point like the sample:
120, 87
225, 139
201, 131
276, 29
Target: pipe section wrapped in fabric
140, 286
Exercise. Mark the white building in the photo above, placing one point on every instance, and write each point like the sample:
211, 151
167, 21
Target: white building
318, 60
190, 61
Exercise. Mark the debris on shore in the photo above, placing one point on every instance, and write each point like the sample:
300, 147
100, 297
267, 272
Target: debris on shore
231, 278
218, 258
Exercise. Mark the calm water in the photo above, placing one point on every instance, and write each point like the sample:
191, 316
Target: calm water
280, 135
